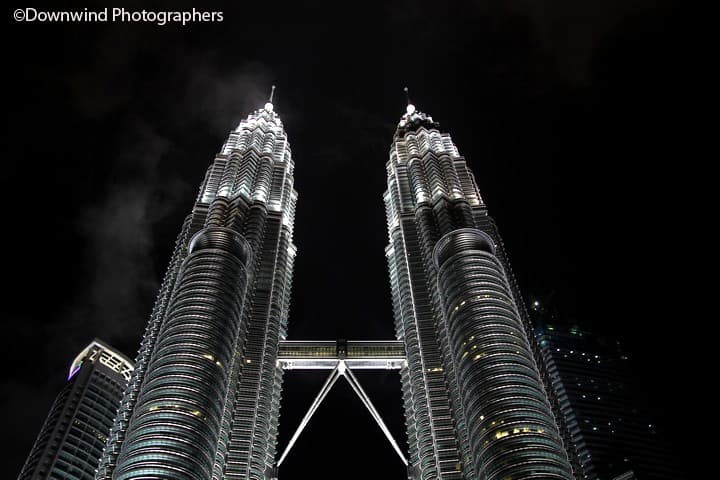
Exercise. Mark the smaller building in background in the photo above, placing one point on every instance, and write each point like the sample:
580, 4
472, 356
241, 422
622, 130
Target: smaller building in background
612, 437
73, 436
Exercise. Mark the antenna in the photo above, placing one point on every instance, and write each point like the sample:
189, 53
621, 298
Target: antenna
410, 107
269, 104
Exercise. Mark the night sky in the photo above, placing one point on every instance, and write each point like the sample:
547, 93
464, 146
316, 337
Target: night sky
567, 112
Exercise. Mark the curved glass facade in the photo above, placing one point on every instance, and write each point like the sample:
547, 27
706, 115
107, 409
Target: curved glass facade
511, 427
176, 423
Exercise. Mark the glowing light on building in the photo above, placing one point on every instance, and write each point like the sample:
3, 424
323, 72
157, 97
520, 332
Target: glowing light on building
73, 436
203, 400
453, 293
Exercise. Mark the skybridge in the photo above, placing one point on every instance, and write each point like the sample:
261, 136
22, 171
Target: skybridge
341, 357
326, 354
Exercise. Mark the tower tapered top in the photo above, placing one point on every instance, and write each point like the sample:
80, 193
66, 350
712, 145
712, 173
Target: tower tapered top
413, 118
266, 114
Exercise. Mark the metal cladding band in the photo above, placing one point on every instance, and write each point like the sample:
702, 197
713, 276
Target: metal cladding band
511, 427
174, 430
221, 238
460, 240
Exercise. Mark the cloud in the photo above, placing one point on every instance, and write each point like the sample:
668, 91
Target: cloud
218, 99
145, 183
119, 230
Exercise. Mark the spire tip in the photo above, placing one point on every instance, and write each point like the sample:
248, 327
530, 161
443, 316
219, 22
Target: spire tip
269, 105
410, 107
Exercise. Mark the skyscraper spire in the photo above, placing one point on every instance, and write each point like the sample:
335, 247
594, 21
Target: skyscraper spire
413, 119
269, 104
410, 107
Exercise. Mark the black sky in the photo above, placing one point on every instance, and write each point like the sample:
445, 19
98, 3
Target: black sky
568, 113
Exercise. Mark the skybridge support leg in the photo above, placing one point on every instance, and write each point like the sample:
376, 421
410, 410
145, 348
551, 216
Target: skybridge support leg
371, 408
341, 370
334, 375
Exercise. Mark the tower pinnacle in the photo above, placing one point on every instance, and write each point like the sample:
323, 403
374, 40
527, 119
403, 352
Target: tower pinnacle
269, 104
413, 118
410, 107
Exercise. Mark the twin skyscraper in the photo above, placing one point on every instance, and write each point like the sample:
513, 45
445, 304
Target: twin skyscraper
203, 400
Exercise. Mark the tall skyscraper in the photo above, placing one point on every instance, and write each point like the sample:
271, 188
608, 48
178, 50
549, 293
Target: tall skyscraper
475, 402
203, 400
611, 433
73, 436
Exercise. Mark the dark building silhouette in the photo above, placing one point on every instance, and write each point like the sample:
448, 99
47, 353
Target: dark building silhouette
72, 438
610, 433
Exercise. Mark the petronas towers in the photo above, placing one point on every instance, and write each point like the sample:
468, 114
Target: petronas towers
475, 403
203, 400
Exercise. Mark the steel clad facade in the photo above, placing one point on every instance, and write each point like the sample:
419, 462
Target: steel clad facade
475, 402
204, 402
